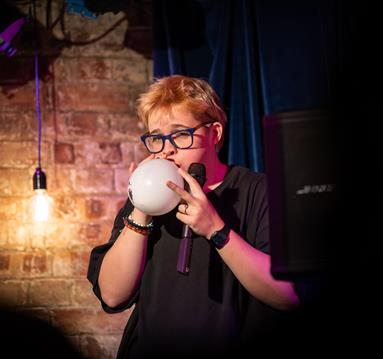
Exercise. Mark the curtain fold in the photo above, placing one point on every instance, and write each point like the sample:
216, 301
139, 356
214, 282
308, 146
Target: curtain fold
260, 56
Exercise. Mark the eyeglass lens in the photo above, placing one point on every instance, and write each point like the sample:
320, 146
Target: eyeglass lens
181, 139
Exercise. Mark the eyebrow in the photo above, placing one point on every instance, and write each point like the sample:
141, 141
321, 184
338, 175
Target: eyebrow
173, 126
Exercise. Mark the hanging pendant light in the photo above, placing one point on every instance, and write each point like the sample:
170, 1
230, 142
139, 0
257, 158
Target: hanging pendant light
41, 202
11, 22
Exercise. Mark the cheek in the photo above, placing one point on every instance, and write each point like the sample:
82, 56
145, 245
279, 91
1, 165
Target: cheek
208, 141
184, 159
187, 157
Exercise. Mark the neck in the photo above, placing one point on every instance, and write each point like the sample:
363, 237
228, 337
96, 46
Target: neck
215, 173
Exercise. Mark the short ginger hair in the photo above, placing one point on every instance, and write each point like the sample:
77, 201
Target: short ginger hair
192, 94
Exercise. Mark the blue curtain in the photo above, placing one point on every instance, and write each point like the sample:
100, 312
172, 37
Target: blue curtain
261, 56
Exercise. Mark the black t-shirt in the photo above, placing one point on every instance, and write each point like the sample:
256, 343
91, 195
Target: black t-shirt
206, 313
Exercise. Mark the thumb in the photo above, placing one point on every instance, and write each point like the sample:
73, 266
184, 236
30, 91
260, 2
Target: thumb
132, 167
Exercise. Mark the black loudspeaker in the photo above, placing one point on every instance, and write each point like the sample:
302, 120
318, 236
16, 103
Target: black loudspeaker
302, 166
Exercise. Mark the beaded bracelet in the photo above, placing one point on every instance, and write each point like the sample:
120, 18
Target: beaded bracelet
130, 223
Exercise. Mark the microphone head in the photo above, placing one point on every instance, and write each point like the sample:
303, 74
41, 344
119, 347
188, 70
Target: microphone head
198, 171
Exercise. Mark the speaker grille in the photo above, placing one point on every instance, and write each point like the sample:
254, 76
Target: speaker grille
302, 163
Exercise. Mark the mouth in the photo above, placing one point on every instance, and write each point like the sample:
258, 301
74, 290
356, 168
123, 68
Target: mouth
171, 160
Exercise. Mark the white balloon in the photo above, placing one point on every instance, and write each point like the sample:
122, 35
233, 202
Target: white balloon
147, 189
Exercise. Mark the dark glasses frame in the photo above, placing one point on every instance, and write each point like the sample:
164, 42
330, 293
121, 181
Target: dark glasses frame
169, 137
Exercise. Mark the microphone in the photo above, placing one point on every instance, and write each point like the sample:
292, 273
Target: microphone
198, 172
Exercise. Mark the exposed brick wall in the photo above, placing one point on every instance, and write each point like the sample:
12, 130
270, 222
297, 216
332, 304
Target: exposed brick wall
89, 136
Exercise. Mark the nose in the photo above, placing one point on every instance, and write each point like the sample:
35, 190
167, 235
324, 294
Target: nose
168, 150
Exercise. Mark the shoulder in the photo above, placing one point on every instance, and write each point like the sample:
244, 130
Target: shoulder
247, 185
242, 176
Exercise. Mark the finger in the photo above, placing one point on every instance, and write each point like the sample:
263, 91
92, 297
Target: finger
150, 157
184, 208
132, 167
183, 218
195, 187
185, 195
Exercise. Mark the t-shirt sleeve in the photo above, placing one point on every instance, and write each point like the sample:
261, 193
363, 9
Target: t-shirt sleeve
97, 256
258, 215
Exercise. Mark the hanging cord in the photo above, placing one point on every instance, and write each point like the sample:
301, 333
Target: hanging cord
37, 85
38, 112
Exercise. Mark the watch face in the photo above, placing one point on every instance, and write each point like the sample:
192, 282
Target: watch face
219, 238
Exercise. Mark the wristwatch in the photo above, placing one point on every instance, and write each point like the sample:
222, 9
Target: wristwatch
220, 238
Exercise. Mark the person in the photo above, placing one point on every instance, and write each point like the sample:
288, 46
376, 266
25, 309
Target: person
229, 299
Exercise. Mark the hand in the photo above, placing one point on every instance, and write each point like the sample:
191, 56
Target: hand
195, 209
138, 215
133, 165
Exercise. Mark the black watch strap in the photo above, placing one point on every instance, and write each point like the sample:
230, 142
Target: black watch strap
220, 238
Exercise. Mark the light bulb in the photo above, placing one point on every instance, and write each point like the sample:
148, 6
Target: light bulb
41, 203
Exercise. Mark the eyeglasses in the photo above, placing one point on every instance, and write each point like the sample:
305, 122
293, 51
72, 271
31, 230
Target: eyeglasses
181, 139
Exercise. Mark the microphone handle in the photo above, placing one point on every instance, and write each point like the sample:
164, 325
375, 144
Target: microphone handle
186, 243
184, 251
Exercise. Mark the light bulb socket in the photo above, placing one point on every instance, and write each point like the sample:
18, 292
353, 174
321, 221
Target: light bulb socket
39, 179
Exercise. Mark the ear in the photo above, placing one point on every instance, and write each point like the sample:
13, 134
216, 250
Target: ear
217, 130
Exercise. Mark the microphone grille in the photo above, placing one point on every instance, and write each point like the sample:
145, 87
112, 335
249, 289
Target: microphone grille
198, 171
